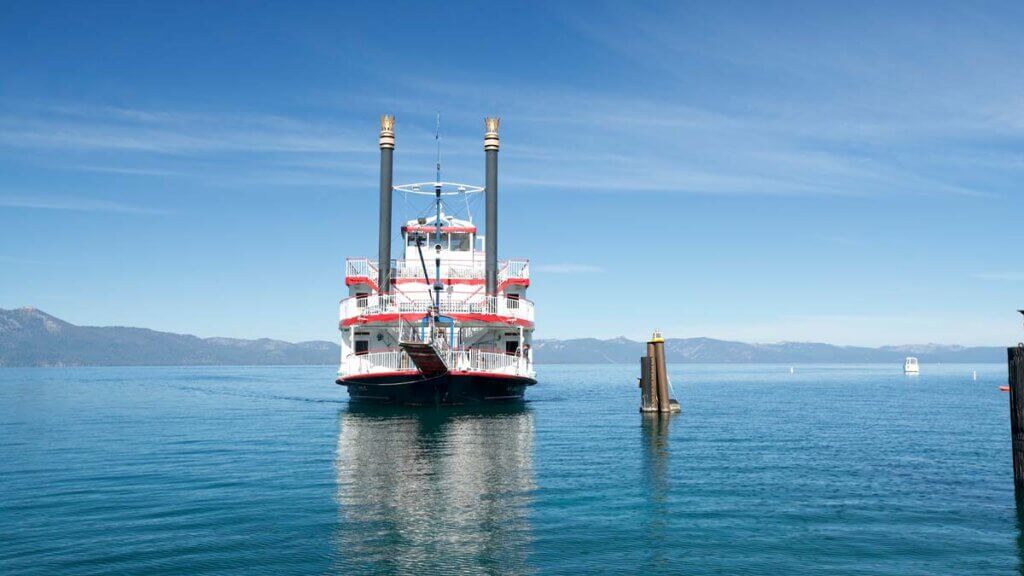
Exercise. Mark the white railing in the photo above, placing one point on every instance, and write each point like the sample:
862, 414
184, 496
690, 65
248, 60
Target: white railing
360, 268
467, 272
479, 361
387, 361
456, 360
514, 269
376, 304
414, 269
507, 269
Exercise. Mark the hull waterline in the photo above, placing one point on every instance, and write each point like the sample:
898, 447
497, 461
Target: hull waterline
448, 389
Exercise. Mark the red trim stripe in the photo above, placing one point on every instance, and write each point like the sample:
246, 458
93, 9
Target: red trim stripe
443, 281
433, 229
467, 281
353, 280
514, 282
415, 317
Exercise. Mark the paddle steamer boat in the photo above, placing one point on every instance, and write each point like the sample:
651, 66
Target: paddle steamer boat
447, 323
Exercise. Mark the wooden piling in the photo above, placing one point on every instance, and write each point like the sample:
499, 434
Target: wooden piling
648, 399
1015, 362
654, 378
662, 372
648, 381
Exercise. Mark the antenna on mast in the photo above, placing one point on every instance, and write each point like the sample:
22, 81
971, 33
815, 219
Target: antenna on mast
437, 140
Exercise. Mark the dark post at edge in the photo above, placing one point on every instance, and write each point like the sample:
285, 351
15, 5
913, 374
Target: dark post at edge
1015, 362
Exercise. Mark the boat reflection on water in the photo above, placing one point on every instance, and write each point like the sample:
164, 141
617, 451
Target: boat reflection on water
434, 491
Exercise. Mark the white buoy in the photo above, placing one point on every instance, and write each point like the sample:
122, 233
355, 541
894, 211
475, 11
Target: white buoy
974, 375
790, 369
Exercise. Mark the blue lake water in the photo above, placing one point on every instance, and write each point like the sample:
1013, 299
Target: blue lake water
831, 470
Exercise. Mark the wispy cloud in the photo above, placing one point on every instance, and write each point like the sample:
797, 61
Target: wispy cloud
28, 261
628, 143
74, 204
755, 150
808, 115
78, 127
847, 241
1003, 276
224, 150
567, 268
125, 170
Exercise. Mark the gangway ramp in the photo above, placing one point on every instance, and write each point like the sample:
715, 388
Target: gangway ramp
426, 358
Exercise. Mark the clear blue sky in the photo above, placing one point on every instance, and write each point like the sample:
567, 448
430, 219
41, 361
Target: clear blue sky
755, 171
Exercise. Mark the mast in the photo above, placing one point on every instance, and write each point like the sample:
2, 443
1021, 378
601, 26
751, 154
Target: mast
491, 184
387, 151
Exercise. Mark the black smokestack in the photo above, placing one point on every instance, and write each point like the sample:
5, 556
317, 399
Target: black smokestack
491, 184
387, 152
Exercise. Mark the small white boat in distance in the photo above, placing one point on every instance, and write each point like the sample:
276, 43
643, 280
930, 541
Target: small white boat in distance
910, 366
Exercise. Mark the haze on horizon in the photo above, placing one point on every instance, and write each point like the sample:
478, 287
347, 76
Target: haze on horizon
743, 171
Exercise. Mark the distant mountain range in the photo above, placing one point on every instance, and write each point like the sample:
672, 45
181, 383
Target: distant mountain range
30, 337
708, 350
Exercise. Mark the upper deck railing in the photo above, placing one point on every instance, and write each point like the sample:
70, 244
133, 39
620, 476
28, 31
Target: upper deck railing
379, 304
456, 360
507, 269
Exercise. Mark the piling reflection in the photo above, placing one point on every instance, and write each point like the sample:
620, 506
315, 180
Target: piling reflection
435, 491
1020, 531
655, 440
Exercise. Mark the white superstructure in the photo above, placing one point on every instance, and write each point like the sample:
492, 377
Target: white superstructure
485, 334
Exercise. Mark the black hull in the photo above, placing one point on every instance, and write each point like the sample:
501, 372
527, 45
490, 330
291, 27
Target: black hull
448, 389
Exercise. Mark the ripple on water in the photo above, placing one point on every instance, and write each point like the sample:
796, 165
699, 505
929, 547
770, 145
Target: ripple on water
833, 469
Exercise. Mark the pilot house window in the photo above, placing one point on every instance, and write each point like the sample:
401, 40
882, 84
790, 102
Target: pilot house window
460, 242
362, 347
